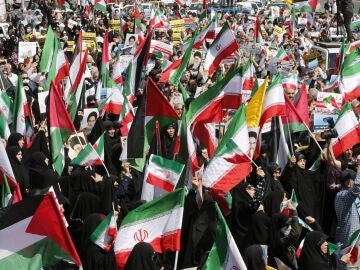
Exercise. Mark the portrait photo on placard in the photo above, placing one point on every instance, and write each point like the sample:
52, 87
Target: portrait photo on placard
89, 119
76, 142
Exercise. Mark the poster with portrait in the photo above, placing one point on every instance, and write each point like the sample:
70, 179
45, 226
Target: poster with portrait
26, 50
88, 121
76, 143
328, 105
130, 40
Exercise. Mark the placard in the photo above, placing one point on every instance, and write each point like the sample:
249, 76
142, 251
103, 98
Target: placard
26, 50
159, 46
327, 105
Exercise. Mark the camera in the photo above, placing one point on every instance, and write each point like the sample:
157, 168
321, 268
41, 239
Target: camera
331, 132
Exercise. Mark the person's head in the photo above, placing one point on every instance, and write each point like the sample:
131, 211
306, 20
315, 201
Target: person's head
347, 178
110, 129
254, 258
131, 40
250, 189
179, 108
170, 130
274, 170
348, 153
16, 139
300, 160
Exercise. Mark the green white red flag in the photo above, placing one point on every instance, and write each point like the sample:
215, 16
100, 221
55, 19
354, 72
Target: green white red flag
348, 129
100, 5
352, 245
34, 236
60, 127
274, 101
157, 222
224, 45
230, 163
5, 115
224, 253
163, 173
21, 113
105, 233
91, 154
350, 75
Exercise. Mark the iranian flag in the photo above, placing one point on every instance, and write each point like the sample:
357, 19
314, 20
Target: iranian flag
180, 2
353, 247
163, 173
274, 101
230, 163
289, 81
350, 75
155, 20
5, 193
232, 89
60, 127
224, 45
347, 126
207, 32
169, 71
224, 253
332, 86
6, 172
48, 51
5, 115
21, 113
91, 154
175, 77
157, 222
100, 5
105, 233
248, 76
34, 236
62, 66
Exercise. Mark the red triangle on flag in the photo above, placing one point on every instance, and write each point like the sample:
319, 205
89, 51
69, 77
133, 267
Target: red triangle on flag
47, 221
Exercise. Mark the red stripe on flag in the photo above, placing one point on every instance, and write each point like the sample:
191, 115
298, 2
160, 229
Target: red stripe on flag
347, 141
160, 183
233, 46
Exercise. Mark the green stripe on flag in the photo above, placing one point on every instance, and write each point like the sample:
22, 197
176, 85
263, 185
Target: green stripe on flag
101, 228
158, 206
168, 164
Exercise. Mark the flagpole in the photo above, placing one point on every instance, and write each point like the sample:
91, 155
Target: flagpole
176, 260
317, 143
291, 144
102, 162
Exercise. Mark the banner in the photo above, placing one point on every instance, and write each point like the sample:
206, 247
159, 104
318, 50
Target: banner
114, 24
159, 46
90, 40
327, 105
26, 50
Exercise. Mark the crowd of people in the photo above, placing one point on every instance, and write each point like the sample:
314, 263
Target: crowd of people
327, 207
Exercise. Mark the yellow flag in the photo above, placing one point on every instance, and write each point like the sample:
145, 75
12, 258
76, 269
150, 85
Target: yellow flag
254, 107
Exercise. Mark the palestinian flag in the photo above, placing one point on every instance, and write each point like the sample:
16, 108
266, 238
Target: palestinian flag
21, 113
350, 75
100, 5
297, 117
230, 163
34, 236
105, 233
5, 115
303, 6
274, 101
224, 45
163, 173
60, 127
348, 128
157, 108
157, 222
224, 253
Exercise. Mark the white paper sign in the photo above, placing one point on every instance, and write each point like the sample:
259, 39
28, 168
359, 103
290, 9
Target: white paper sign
26, 49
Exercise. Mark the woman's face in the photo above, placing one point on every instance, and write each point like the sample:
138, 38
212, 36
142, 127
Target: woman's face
91, 121
19, 156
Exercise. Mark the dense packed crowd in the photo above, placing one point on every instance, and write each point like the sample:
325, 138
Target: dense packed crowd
273, 39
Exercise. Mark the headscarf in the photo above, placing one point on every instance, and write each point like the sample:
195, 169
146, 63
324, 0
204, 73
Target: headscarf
141, 258
311, 256
14, 139
254, 259
20, 172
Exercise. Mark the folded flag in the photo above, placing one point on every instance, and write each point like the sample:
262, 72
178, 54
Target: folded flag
105, 233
